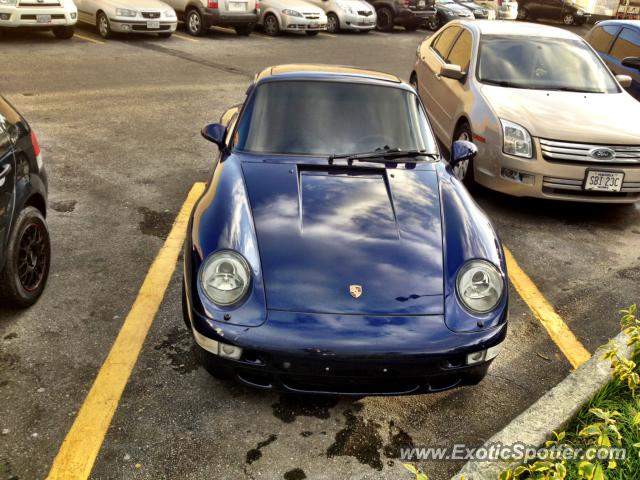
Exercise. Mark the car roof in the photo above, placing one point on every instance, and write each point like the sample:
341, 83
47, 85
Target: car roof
319, 71
615, 21
491, 27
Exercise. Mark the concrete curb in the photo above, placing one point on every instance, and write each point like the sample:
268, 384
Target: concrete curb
549, 414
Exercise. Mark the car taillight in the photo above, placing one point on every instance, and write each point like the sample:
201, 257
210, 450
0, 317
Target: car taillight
499, 3
35, 144
212, 3
257, 5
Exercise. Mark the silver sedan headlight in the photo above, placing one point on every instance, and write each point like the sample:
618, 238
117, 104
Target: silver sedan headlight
292, 13
516, 140
170, 14
479, 286
225, 277
8, 2
125, 12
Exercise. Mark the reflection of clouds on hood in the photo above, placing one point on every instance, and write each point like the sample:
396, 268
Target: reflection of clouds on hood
343, 229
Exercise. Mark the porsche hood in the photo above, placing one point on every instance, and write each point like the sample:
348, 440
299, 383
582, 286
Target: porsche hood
348, 240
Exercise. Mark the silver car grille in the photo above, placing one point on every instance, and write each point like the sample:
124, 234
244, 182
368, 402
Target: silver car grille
569, 184
554, 150
35, 3
150, 14
365, 13
311, 16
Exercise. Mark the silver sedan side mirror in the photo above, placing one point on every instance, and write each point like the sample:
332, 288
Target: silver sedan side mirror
624, 80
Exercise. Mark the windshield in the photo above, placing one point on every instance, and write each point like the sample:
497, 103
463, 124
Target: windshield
542, 63
443, 2
325, 118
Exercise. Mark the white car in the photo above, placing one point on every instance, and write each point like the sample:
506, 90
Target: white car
59, 16
348, 15
505, 9
291, 16
130, 16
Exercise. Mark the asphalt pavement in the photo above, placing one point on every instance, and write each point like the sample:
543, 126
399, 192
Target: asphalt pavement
119, 126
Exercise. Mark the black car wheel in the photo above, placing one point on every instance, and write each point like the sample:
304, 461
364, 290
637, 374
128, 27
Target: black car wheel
271, 25
333, 23
413, 81
522, 14
104, 29
434, 23
65, 32
195, 24
464, 170
25, 274
385, 19
568, 19
243, 31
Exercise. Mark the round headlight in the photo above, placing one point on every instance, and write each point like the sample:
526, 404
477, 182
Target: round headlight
479, 286
225, 277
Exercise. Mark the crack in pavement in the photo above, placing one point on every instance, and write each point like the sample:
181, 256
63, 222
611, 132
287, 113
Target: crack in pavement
191, 58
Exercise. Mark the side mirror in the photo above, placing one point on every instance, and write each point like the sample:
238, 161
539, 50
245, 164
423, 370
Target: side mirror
461, 151
215, 133
449, 70
624, 80
632, 62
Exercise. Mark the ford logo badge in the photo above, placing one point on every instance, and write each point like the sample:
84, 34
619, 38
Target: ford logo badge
602, 153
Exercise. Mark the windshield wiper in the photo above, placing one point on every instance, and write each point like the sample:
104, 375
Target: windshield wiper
383, 156
504, 83
573, 89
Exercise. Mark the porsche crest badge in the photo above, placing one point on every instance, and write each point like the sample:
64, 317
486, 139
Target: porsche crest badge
355, 290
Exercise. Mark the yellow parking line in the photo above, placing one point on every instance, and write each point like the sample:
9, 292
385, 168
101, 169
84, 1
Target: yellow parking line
329, 35
559, 332
88, 39
80, 447
183, 37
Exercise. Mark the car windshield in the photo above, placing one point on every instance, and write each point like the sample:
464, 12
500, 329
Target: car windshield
542, 63
328, 117
444, 2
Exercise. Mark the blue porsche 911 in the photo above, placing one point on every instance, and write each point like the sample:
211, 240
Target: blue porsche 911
333, 250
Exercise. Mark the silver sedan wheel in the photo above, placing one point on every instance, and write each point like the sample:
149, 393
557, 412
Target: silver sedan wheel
460, 170
194, 22
103, 26
568, 19
271, 26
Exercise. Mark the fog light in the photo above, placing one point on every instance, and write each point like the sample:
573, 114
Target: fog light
516, 176
73, 16
126, 28
5, 16
483, 355
217, 348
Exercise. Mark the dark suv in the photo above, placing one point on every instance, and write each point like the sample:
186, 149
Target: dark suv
409, 14
567, 11
25, 250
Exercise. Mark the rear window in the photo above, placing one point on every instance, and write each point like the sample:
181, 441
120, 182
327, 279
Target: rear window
601, 37
323, 118
627, 44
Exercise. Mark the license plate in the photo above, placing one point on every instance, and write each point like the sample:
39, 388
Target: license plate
237, 6
43, 18
313, 25
603, 181
153, 24
421, 4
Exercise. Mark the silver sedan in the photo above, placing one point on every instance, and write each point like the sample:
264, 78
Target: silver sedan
548, 117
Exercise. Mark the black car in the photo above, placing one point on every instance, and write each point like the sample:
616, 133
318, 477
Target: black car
567, 11
25, 249
478, 11
409, 14
447, 10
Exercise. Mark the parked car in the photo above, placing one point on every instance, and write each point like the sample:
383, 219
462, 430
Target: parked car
348, 15
59, 16
291, 16
505, 9
338, 253
548, 117
134, 16
479, 12
409, 14
447, 10
567, 11
25, 249
618, 43
200, 15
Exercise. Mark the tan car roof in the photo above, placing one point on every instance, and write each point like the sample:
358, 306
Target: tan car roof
492, 27
327, 69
